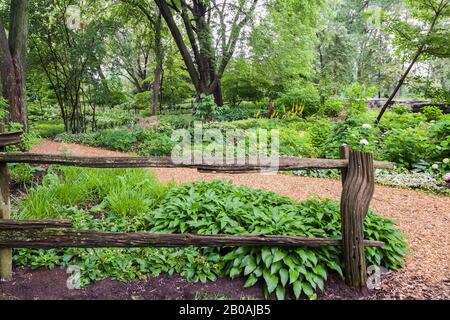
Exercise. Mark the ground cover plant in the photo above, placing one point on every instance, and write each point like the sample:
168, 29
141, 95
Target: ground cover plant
134, 201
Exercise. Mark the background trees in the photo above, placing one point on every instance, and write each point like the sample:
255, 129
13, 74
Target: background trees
149, 54
426, 36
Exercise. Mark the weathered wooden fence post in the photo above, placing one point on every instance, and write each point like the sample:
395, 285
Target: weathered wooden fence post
359, 186
345, 154
5, 213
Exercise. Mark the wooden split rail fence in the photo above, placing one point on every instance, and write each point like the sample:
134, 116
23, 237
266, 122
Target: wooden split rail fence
358, 187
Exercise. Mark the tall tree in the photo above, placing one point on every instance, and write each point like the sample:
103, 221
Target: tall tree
13, 56
429, 16
154, 18
206, 53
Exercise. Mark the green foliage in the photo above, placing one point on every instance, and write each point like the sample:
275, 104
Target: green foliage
306, 96
399, 109
120, 140
133, 201
21, 174
220, 208
357, 94
48, 129
432, 113
206, 109
406, 147
332, 107
3, 107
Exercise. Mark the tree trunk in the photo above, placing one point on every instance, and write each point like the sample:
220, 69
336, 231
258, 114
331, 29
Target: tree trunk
13, 53
218, 97
399, 85
156, 88
406, 73
159, 62
271, 108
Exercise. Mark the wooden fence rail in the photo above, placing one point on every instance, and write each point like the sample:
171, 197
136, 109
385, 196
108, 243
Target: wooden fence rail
285, 164
358, 186
61, 238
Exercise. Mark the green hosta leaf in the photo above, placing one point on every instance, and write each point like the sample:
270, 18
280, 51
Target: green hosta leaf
249, 268
319, 282
289, 262
334, 266
310, 278
280, 292
297, 289
279, 255
267, 257
320, 271
312, 257
251, 281
275, 267
271, 281
234, 272
302, 270
258, 272
293, 275
284, 276
307, 289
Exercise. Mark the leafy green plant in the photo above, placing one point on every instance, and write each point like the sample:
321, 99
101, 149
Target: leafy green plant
406, 147
206, 109
21, 174
133, 201
332, 107
432, 113
399, 109
220, 208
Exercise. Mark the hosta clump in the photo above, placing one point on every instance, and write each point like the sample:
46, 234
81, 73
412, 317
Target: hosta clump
221, 208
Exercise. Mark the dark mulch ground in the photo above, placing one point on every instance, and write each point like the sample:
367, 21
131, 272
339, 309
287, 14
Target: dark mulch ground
51, 285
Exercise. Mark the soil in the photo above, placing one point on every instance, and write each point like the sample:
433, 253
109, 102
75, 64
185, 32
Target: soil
424, 218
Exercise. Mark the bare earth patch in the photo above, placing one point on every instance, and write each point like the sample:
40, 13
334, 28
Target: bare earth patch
424, 218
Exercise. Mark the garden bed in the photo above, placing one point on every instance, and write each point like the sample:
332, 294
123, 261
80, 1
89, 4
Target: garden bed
423, 217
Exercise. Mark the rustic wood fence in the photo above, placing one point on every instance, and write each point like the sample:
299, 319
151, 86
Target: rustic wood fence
358, 186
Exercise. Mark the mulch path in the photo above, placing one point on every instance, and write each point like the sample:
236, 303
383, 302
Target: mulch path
424, 218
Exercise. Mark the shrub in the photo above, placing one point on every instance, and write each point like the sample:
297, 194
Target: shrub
121, 140
357, 95
155, 144
332, 107
320, 131
21, 174
206, 109
432, 113
177, 121
48, 129
406, 147
307, 96
399, 109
